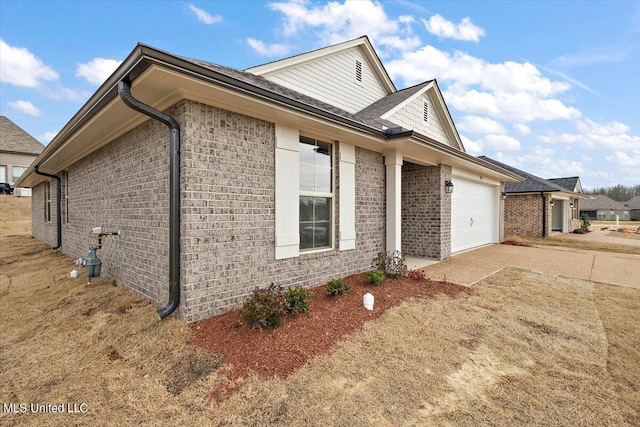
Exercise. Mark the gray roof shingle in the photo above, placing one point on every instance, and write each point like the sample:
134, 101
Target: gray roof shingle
14, 139
568, 183
531, 183
600, 201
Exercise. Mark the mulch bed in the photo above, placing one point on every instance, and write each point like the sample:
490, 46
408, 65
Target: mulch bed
282, 351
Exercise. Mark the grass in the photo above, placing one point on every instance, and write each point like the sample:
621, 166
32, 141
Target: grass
632, 236
583, 245
524, 349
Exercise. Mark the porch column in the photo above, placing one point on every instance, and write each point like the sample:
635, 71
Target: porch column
393, 166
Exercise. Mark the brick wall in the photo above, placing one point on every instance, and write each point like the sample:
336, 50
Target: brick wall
122, 186
426, 211
523, 215
229, 217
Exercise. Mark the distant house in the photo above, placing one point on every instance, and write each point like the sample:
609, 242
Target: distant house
536, 207
17, 150
633, 206
601, 207
295, 172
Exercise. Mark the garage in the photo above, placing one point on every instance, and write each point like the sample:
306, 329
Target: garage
474, 219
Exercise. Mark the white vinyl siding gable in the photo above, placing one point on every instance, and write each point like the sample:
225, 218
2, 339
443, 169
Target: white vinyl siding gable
411, 116
332, 79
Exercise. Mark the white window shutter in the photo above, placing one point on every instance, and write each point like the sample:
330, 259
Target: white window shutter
287, 192
347, 199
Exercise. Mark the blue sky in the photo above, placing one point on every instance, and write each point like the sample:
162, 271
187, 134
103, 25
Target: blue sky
552, 88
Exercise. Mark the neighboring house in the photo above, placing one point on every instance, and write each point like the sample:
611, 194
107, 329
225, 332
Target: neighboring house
17, 150
633, 206
537, 207
601, 207
293, 172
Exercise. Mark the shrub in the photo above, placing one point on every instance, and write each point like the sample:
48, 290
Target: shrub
297, 299
390, 264
337, 287
265, 309
585, 222
416, 274
375, 277
580, 231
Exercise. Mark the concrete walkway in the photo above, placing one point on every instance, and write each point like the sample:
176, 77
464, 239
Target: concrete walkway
470, 267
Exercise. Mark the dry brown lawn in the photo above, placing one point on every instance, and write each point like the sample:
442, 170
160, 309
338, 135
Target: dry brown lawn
633, 236
583, 245
523, 349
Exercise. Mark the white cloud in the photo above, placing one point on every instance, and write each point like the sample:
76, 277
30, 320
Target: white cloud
512, 91
97, 70
335, 22
47, 137
626, 159
491, 141
204, 16
596, 136
25, 107
543, 162
522, 129
596, 55
476, 124
443, 28
22, 68
268, 50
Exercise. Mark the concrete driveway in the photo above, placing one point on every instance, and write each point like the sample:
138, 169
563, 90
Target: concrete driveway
470, 267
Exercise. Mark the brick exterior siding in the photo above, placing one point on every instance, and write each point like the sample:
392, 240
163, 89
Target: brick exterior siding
122, 186
426, 211
523, 215
227, 212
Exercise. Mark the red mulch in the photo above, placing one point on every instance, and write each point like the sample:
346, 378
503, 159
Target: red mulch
282, 351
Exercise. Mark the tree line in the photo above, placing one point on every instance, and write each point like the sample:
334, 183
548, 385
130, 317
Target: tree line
619, 193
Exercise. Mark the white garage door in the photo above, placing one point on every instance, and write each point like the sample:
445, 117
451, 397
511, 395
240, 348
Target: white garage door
472, 214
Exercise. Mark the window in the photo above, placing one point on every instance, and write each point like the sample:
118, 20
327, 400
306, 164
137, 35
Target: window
47, 201
16, 171
358, 71
425, 113
316, 194
625, 214
3, 174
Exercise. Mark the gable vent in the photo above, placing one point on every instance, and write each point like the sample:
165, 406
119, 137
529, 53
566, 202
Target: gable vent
358, 70
426, 112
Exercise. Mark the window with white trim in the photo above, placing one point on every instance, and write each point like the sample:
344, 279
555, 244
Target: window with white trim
16, 171
47, 201
316, 194
3, 174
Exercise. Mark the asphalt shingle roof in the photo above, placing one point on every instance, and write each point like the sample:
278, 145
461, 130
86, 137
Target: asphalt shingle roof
633, 203
14, 139
531, 183
600, 201
568, 183
274, 88
378, 108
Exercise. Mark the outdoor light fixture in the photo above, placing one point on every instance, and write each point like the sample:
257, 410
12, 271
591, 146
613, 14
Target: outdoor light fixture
552, 203
448, 187
504, 195
571, 204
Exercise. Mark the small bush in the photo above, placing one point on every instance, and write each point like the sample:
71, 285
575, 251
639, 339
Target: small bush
297, 299
585, 222
265, 309
375, 277
390, 264
580, 231
416, 274
337, 287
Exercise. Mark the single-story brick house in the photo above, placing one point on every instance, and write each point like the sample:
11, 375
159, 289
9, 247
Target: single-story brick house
633, 205
294, 172
17, 150
537, 207
601, 207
